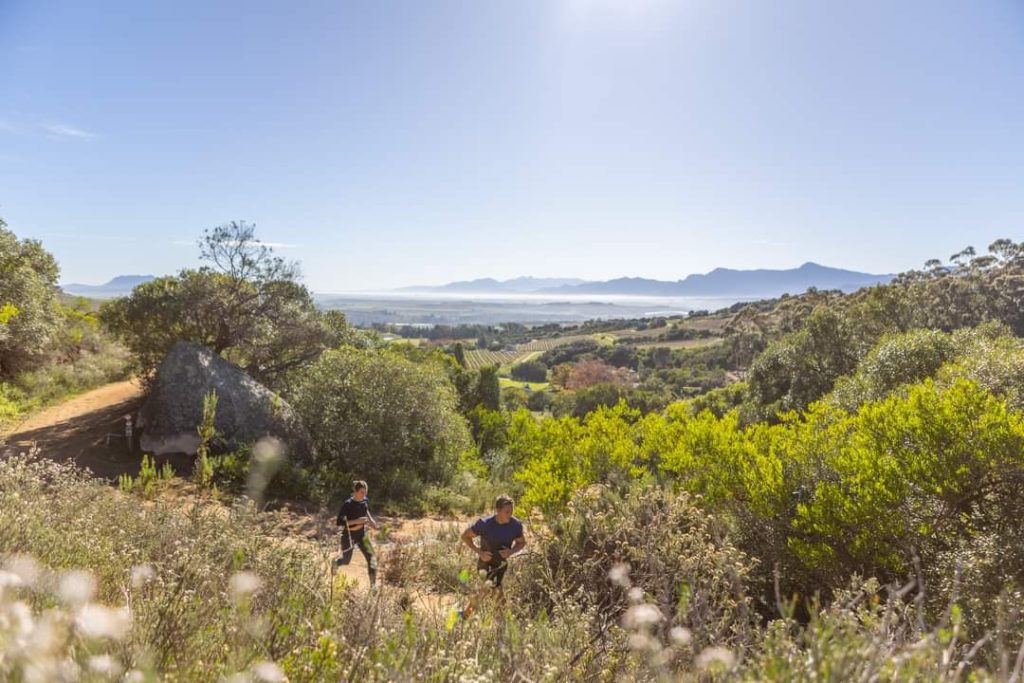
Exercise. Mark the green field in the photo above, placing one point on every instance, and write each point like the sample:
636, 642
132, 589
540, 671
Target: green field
507, 382
680, 343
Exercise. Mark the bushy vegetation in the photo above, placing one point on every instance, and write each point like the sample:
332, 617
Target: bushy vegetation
849, 511
50, 346
246, 304
378, 416
95, 587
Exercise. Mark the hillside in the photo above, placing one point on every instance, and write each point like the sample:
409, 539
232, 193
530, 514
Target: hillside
121, 285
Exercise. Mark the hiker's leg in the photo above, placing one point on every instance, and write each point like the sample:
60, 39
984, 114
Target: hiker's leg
346, 547
495, 575
371, 557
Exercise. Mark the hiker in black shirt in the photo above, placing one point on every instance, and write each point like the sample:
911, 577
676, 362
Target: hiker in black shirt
353, 518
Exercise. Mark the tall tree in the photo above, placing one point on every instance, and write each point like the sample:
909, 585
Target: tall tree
246, 304
29, 311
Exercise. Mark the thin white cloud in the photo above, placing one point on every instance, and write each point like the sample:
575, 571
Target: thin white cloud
67, 131
272, 245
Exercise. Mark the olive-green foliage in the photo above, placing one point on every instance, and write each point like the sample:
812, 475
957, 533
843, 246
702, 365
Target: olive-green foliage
538, 401
896, 360
29, 312
489, 429
172, 570
986, 354
202, 472
672, 551
801, 367
530, 371
514, 398
374, 415
995, 362
817, 337
864, 634
488, 388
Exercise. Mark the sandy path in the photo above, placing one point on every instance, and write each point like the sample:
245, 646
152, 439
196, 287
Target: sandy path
88, 429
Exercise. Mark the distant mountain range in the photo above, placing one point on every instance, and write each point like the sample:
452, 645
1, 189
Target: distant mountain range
725, 282
720, 282
121, 285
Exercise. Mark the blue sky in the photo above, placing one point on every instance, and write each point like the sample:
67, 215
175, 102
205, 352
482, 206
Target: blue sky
390, 143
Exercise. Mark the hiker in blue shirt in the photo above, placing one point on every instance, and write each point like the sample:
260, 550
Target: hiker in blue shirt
353, 518
501, 536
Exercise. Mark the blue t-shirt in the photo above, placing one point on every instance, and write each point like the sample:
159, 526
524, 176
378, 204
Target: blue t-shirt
495, 536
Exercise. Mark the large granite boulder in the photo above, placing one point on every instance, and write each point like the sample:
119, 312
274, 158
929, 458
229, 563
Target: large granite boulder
246, 410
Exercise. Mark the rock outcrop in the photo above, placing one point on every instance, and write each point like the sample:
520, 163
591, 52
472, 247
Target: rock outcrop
246, 410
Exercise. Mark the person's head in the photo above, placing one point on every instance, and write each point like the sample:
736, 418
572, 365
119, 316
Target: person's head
503, 508
359, 489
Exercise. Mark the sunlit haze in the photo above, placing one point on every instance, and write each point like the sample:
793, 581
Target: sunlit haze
386, 144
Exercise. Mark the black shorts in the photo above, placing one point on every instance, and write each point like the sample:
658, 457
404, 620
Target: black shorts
495, 572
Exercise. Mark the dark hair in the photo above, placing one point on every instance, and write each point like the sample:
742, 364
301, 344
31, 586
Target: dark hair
503, 501
359, 485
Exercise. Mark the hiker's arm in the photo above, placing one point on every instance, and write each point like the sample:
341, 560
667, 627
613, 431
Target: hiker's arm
517, 545
356, 524
372, 522
467, 538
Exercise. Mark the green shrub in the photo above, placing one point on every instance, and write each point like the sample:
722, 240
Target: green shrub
538, 401
648, 539
377, 416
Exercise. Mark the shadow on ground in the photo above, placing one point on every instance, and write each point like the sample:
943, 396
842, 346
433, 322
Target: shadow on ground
94, 440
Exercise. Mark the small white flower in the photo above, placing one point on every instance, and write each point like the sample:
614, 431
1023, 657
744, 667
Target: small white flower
141, 575
24, 568
642, 641
104, 664
640, 616
715, 655
10, 579
76, 587
619, 575
47, 635
243, 584
20, 616
99, 621
680, 636
635, 595
268, 672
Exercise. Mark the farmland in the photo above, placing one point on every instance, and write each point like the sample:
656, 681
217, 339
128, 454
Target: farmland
479, 358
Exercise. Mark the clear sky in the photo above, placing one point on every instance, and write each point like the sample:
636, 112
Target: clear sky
387, 143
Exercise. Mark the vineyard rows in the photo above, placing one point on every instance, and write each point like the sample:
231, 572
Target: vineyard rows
479, 358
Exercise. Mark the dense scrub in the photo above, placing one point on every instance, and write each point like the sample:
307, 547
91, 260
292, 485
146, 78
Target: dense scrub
96, 587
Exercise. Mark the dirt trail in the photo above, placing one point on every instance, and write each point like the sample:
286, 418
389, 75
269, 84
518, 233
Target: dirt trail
87, 429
